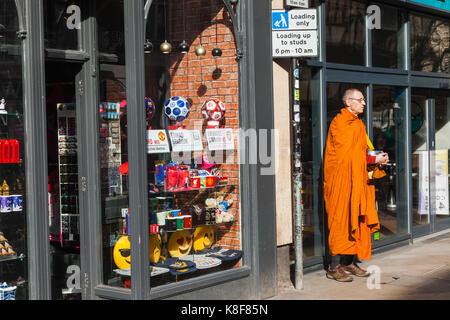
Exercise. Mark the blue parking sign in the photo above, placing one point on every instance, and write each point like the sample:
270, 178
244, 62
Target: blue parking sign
280, 20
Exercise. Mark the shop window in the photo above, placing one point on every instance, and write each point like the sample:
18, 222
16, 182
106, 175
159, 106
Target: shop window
13, 212
345, 31
192, 103
113, 146
430, 39
312, 220
60, 24
387, 50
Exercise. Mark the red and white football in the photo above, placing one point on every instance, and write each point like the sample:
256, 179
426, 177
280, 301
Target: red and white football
213, 110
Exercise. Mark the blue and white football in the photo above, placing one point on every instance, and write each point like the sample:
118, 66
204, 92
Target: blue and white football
177, 108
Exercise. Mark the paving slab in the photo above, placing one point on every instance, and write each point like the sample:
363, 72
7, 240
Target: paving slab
420, 271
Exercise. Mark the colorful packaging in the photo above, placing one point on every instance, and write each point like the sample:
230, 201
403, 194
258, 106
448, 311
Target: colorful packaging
17, 203
160, 173
5, 204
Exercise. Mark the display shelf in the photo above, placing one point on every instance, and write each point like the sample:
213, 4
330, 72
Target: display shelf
12, 257
12, 114
167, 193
196, 226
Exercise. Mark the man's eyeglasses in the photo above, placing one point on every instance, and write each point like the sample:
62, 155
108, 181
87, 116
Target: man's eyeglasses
361, 100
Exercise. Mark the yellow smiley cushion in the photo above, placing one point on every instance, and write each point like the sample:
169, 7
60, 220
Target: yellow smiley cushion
180, 243
122, 253
154, 247
203, 237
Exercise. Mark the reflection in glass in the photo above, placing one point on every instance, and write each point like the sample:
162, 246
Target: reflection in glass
58, 27
442, 125
386, 42
13, 214
430, 44
113, 149
420, 160
313, 222
345, 31
388, 103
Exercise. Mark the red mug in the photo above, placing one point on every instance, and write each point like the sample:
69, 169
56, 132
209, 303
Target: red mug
195, 182
15, 151
187, 222
210, 181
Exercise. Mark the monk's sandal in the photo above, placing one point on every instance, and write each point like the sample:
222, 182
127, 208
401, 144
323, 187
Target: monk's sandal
355, 270
338, 274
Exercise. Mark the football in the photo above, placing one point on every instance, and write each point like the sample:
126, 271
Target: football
213, 110
177, 108
150, 108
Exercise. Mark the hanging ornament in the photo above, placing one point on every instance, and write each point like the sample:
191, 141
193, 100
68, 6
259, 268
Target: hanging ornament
216, 52
200, 50
148, 47
165, 47
183, 47
213, 110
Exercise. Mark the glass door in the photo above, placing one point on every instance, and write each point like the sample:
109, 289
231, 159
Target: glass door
441, 159
430, 145
62, 90
420, 143
13, 209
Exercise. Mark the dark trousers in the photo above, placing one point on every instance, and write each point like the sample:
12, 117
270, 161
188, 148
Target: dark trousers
343, 259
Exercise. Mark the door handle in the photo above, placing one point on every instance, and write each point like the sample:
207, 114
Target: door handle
83, 184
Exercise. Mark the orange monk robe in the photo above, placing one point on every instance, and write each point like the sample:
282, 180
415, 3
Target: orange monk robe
349, 198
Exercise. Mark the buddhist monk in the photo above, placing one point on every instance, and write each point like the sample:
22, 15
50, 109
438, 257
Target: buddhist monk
349, 195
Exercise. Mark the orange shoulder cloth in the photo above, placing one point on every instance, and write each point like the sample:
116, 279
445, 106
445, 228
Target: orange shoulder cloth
349, 199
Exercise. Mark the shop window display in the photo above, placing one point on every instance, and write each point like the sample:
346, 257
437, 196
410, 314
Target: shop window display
13, 246
192, 119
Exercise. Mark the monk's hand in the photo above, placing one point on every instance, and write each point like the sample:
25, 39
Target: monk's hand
382, 158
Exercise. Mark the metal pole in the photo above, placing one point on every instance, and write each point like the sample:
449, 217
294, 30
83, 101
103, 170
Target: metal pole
298, 208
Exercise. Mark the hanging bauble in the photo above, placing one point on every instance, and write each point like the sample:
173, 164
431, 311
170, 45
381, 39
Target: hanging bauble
183, 47
200, 50
148, 47
177, 108
150, 108
217, 52
213, 110
165, 47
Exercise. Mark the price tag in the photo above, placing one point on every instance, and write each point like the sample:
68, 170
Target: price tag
186, 140
157, 141
220, 139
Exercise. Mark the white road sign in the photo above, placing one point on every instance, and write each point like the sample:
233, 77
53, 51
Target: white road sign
298, 3
294, 33
296, 43
296, 19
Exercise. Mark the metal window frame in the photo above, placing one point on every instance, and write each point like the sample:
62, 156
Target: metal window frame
255, 78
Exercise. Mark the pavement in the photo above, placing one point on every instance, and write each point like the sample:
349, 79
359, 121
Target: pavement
418, 271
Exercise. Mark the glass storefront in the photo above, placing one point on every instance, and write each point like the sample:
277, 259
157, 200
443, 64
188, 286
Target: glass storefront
13, 210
